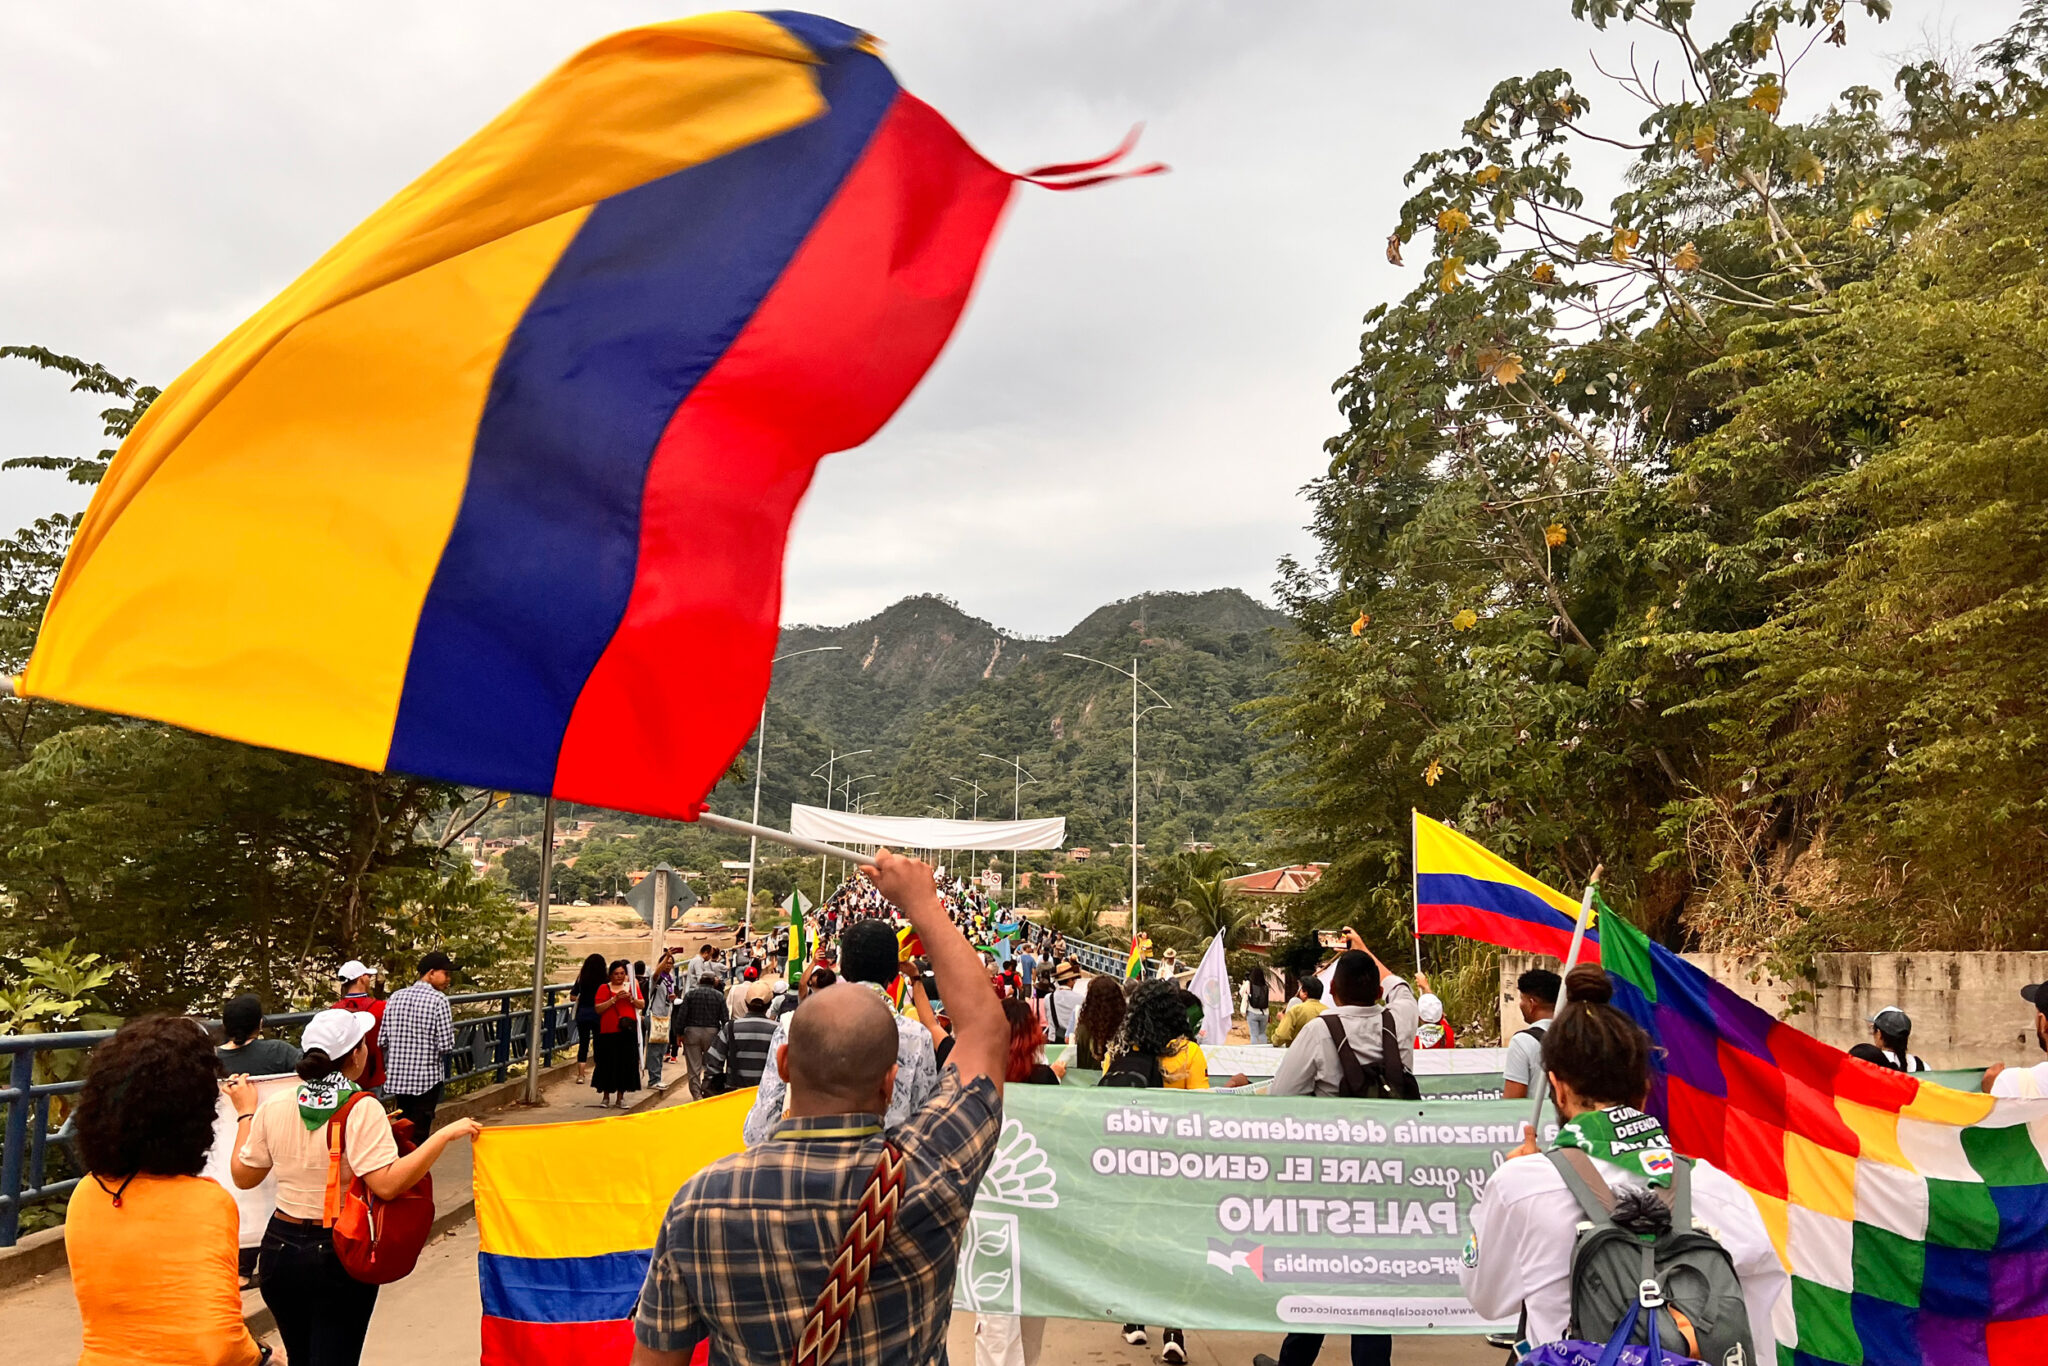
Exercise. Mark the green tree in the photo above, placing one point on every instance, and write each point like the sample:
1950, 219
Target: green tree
1649, 537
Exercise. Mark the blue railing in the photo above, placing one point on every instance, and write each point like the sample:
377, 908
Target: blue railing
486, 1041
1105, 961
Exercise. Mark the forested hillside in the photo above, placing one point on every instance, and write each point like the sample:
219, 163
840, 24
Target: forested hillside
1703, 532
926, 691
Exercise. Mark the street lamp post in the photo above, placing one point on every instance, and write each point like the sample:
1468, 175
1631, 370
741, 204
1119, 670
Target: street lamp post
760, 747
1016, 810
977, 795
830, 787
1132, 674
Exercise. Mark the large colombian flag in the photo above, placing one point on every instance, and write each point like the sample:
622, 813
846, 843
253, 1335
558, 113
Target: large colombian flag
1464, 888
566, 1216
497, 491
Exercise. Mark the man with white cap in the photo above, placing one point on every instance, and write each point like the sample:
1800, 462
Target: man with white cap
1432, 1030
357, 977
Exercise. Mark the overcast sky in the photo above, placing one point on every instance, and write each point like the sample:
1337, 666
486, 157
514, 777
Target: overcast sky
1135, 397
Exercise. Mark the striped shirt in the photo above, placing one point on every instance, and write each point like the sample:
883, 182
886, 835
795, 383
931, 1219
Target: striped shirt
748, 1242
917, 1076
739, 1054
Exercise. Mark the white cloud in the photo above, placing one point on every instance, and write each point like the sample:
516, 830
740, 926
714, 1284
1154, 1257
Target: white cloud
1133, 401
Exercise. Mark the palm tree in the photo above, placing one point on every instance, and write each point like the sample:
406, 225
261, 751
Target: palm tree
1208, 909
1078, 917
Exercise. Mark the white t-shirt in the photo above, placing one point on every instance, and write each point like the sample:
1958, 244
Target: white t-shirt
1524, 1061
2022, 1082
1526, 1221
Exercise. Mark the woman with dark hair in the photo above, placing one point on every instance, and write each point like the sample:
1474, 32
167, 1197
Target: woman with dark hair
1157, 1047
1007, 1339
322, 1312
1525, 1224
584, 996
1102, 1015
152, 1242
1891, 1030
245, 1050
618, 1038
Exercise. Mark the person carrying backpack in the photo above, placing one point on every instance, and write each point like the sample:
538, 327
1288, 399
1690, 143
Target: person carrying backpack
1567, 1237
1358, 1049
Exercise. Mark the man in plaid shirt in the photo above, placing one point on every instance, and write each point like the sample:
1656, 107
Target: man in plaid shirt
748, 1243
418, 1031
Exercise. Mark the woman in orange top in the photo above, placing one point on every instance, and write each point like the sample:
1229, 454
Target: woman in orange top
618, 1038
152, 1242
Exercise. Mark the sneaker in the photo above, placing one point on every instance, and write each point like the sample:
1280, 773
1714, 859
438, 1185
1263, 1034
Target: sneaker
1134, 1333
1174, 1348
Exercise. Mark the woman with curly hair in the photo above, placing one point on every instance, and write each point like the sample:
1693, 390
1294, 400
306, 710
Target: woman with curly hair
1156, 1047
152, 1243
1095, 1029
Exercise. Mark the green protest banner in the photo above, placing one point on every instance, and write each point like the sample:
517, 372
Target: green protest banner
1193, 1209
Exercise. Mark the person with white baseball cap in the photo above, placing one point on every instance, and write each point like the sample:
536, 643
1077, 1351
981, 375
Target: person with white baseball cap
1890, 1030
357, 977
322, 1312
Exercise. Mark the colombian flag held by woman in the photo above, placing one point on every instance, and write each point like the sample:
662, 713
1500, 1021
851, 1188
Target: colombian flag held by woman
497, 491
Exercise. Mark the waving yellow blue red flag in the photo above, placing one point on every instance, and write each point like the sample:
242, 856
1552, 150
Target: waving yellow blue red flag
497, 491
1464, 888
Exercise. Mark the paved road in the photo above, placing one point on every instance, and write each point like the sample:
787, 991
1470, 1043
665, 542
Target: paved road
433, 1317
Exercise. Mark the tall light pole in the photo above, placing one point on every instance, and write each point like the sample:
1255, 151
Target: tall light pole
1132, 674
760, 746
977, 796
830, 786
1016, 809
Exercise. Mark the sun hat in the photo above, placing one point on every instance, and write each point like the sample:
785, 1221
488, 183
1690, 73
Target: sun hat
337, 1032
1428, 1008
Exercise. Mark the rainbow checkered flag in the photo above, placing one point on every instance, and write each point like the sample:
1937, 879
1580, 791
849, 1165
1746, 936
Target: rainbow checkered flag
1913, 1218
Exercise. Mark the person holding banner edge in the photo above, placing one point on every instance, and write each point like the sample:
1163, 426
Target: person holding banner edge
749, 1244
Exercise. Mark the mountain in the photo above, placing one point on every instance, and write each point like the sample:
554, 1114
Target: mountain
913, 697
928, 689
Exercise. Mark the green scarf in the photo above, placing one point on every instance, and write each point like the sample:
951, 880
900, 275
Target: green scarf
1624, 1136
321, 1097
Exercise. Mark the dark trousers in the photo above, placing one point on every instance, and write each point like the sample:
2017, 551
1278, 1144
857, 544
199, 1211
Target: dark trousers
1367, 1349
322, 1312
419, 1109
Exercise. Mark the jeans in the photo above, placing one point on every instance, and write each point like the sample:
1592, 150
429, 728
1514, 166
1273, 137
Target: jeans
322, 1312
1255, 1021
656, 1053
1367, 1349
420, 1110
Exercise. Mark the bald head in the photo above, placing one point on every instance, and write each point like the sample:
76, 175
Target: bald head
842, 1046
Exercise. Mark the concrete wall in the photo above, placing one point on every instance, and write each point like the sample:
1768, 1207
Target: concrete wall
1966, 1007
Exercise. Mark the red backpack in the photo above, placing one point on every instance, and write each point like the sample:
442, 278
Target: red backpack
377, 1240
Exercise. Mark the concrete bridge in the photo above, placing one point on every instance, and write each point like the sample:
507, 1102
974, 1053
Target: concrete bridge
434, 1316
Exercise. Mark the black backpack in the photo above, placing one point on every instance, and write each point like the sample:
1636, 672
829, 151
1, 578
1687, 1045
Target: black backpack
1387, 1079
1133, 1069
1257, 994
1645, 1252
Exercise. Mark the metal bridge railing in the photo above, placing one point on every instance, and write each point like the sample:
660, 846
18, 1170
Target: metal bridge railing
489, 1037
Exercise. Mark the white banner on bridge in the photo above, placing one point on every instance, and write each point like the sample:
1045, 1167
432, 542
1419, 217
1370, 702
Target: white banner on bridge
919, 832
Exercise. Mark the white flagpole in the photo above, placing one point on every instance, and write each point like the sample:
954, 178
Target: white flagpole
1571, 960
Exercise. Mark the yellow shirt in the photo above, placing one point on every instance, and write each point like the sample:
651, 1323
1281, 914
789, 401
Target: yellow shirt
156, 1279
1298, 1014
1186, 1070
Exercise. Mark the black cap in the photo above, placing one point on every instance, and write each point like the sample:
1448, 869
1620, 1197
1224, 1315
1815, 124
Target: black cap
2037, 996
436, 961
